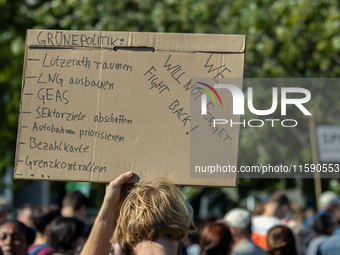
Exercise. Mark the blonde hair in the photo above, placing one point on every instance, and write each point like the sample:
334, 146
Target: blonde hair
154, 210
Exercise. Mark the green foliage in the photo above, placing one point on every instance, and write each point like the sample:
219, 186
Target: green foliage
285, 38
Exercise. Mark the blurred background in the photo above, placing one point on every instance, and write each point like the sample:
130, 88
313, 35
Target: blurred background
285, 38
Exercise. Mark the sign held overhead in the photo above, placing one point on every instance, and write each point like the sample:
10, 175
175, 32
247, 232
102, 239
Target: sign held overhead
97, 104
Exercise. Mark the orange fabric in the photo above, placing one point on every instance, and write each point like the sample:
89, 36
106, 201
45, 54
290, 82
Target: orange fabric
260, 240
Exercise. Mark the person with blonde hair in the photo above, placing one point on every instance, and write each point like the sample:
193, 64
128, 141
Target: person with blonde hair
153, 219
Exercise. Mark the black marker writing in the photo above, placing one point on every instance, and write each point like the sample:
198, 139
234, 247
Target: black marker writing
57, 146
161, 85
104, 85
68, 39
45, 112
57, 164
64, 62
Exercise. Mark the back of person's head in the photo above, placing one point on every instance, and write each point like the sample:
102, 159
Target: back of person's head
151, 211
23, 207
66, 234
208, 220
278, 197
25, 214
43, 216
280, 200
281, 241
21, 236
216, 239
75, 199
323, 225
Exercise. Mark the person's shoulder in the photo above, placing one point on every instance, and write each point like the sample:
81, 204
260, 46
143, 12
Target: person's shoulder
256, 249
46, 250
249, 248
30, 248
330, 243
256, 219
266, 220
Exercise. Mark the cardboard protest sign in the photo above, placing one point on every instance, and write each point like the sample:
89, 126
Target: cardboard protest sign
97, 104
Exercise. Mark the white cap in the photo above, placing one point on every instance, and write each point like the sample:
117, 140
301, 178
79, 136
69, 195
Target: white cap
328, 198
238, 218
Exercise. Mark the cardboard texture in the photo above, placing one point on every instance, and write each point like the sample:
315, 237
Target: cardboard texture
97, 104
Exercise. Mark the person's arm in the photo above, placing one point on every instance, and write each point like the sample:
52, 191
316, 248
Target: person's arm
102, 230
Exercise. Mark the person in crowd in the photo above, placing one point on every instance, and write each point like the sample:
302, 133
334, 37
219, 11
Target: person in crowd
66, 235
42, 218
216, 239
239, 222
25, 215
281, 241
328, 203
331, 245
75, 204
153, 219
5, 208
323, 227
274, 211
15, 237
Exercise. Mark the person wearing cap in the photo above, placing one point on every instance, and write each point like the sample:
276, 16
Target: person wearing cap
239, 222
328, 200
328, 203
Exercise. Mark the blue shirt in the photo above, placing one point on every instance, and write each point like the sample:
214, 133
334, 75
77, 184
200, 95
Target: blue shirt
331, 245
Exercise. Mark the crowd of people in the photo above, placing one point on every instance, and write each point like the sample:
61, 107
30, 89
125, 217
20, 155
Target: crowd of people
277, 227
155, 218
45, 229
